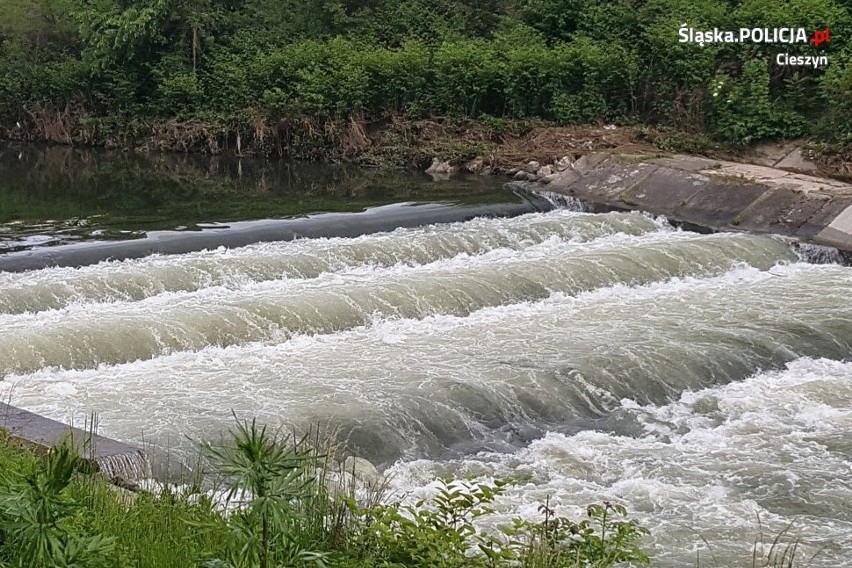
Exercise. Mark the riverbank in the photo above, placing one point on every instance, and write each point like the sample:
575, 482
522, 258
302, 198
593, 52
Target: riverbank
770, 188
391, 141
487, 145
119, 462
281, 501
716, 194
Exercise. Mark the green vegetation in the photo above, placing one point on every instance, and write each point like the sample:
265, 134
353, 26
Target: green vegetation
286, 504
296, 77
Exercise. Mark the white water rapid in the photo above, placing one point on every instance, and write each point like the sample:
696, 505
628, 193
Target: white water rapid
704, 381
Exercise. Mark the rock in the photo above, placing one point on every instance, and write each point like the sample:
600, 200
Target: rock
549, 178
125, 497
563, 163
589, 162
533, 166
362, 469
544, 171
525, 176
795, 161
475, 166
123, 483
610, 127
563, 180
441, 168
512, 171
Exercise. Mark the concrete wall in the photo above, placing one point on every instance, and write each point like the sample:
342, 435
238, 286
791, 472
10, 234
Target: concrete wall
717, 194
121, 463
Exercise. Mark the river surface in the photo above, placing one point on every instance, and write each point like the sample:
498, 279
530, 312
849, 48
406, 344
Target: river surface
704, 381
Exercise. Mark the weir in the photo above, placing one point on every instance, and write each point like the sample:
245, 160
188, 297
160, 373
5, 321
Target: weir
611, 356
242, 233
78, 337
118, 461
808, 252
822, 254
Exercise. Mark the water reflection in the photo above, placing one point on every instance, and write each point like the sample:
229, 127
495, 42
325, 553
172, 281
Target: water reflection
56, 195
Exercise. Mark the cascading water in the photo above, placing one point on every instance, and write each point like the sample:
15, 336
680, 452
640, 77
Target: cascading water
562, 201
702, 380
128, 467
820, 254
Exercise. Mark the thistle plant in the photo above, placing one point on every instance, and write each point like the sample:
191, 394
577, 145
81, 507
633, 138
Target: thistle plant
267, 483
37, 516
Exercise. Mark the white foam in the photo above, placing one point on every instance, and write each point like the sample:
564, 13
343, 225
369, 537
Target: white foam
131, 280
84, 335
444, 379
778, 450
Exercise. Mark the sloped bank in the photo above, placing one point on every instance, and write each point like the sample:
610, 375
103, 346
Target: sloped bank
716, 194
121, 463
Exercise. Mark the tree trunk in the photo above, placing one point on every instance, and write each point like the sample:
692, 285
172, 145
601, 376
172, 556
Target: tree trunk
195, 47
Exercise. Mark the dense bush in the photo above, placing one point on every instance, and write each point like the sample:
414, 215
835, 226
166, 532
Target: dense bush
569, 61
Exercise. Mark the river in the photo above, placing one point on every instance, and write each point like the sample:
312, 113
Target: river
703, 380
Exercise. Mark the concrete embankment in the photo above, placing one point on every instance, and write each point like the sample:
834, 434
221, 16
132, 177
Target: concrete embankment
119, 462
716, 194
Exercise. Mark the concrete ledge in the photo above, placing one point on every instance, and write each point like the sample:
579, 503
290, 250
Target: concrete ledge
116, 460
840, 228
717, 194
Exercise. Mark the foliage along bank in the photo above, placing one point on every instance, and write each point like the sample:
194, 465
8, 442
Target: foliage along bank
286, 506
297, 78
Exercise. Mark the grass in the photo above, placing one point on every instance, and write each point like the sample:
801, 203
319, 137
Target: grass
148, 530
284, 501
782, 551
14, 458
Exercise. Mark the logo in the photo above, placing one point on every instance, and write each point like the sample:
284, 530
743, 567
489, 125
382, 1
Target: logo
816, 38
820, 37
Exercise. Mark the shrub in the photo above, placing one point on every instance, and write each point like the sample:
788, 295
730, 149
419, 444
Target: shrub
443, 532
36, 514
743, 111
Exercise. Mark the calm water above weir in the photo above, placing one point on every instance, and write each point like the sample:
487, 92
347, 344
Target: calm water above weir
704, 381
128, 206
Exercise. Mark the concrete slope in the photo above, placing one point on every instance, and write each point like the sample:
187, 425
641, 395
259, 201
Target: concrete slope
717, 194
120, 462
